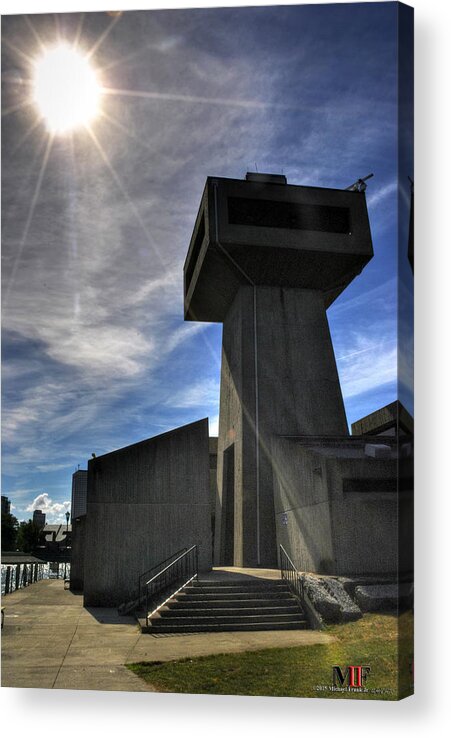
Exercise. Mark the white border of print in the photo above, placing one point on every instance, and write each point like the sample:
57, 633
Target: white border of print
119, 714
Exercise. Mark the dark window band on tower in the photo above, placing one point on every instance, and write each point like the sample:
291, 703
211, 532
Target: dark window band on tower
296, 216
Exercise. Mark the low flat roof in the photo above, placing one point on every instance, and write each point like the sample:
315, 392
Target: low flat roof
19, 557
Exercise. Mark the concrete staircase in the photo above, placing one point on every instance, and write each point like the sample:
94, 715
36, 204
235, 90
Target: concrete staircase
246, 605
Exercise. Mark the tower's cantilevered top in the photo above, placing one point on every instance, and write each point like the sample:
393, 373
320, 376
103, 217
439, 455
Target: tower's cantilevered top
263, 231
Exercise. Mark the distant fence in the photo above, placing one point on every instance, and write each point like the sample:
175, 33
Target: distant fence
17, 576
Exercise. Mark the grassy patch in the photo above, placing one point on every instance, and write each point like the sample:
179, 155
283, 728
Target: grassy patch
377, 640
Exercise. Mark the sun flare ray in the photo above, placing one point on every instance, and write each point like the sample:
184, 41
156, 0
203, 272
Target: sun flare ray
114, 122
103, 36
120, 61
172, 97
77, 36
34, 32
124, 192
31, 210
25, 136
18, 51
16, 108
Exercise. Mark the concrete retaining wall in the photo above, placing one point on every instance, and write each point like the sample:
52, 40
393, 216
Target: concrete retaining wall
330, 527
302, 510
145, 502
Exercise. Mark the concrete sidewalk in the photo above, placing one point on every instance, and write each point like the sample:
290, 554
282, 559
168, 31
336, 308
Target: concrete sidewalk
50, 640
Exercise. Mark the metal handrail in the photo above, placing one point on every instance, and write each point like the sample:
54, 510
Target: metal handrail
157, 568
290, 575
173, 577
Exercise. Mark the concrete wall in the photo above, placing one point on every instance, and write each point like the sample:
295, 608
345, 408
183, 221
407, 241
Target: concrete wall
328, 528
298, 394
213, 453
145, 502
302, 509
365, 523
77, 556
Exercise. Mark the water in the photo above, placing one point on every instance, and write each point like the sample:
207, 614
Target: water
51, 570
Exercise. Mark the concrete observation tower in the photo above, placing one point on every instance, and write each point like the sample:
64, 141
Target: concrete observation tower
267, 259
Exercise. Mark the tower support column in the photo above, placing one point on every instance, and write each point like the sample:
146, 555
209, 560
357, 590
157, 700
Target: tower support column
278, 377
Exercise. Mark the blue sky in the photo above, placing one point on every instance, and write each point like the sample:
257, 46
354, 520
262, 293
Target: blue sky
95, 351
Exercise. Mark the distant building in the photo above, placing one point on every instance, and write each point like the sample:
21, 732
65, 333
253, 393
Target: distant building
39, 518
6, 505
57, 533
56, 542
78, 511
79, 491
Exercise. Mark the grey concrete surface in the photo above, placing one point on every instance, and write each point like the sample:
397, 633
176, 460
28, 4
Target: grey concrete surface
337, 509
266, 259
145, 502
278, 234
384, 596
51, 641
291, 369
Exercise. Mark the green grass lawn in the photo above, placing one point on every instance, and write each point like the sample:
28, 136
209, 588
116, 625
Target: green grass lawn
380, 641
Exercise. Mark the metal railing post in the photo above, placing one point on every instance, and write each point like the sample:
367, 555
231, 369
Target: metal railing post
290, 574
179, 572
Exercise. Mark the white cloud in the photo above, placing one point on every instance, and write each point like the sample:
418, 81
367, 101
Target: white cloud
104, 350
45, 503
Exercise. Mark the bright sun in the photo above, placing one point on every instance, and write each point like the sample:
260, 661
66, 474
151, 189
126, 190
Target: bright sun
66, 89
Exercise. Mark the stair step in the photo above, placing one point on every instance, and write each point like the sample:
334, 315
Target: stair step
165, 627
238, 583
242, 608
236, 595
232, 618
184, 604
213, 589
243, 605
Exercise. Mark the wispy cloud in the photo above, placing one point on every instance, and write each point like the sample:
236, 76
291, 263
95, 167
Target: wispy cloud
369, 368
51, 467
378, 196
201, 394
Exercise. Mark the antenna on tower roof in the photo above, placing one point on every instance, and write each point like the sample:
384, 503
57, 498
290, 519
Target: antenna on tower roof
360, 185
